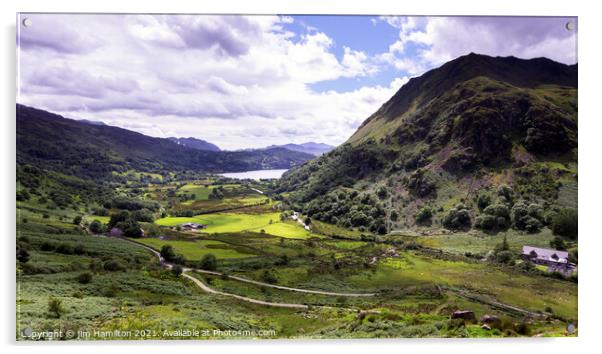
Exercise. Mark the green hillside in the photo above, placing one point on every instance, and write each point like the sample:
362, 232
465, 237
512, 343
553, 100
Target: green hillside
478, 131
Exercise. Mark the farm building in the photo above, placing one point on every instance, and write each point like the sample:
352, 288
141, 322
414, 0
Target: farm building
192, 226
556, 261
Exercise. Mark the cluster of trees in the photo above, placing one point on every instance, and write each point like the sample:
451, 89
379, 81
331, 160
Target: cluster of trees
457, 218
128, 222
217, 193
349, 209
500, 211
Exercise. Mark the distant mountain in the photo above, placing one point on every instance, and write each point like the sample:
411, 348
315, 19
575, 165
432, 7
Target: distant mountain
195, 143
51, 142
312, 148
468, 128
92, 122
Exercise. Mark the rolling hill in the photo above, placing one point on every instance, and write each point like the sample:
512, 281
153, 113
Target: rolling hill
500, 129
311, 148
195, 143
51, 142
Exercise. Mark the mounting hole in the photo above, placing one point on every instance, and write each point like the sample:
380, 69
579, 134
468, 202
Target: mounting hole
570, 26
27, 22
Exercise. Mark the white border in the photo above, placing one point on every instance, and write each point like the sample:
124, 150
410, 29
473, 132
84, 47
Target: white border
589, 147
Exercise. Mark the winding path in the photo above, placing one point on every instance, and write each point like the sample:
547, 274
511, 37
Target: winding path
210, 290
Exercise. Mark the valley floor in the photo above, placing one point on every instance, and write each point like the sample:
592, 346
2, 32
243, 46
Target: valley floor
272, 278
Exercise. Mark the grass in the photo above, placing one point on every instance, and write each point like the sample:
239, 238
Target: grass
195, 250
224, 222
531, 292
481, 243
102, 219
286, 230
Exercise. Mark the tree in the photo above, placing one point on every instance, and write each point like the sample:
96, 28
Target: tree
177, 270
22, 255
483, 201
457, 218
308, 221
506, 257
77, 220
209, 262
168, 253
566, 224
95, 227
55, 307
118, 218
424, 215
130, 228
112, 265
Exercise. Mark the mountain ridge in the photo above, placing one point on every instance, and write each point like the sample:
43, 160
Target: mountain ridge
471, 126
77, 148
195, 143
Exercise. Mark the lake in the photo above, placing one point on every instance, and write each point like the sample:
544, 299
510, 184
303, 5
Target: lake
259, 174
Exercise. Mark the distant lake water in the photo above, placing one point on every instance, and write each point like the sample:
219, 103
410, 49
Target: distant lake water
259, 174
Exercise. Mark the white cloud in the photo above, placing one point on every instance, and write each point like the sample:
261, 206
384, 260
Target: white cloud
235, 81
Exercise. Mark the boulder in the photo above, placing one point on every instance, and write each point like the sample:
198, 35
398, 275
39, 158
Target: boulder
464, 315
491, 320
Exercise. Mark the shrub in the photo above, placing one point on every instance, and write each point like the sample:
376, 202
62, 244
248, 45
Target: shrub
64, 248
208, 262
177, 270
558, 243
84, 278
565, 223
268, 277
47, 246
483, 201
77, 220
79, 250
96, 227
22, 255
112, 265
505, 257
55, 307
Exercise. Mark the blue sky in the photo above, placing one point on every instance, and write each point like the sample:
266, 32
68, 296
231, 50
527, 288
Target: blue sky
365, 33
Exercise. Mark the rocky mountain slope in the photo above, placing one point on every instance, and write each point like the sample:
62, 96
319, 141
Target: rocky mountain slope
478, 131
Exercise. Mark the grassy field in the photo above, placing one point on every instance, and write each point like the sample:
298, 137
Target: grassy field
231, 222
286, 229
195, 250
480, 243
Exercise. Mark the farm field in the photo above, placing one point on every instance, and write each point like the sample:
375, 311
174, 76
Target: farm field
195, 250
414, 291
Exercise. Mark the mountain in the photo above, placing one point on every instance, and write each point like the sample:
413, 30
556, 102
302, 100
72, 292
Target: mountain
195, 143
312, 148
54, 143
473, 126
92, 122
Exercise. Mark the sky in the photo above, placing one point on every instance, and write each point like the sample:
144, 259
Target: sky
253, 81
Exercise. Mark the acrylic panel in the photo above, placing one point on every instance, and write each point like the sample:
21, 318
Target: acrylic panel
295, 177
